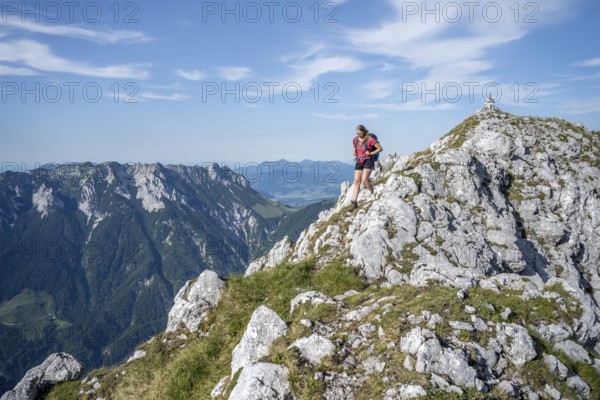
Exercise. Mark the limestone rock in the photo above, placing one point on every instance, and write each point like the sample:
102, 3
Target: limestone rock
194, 300
57, 368
277, 254
264, 327
219, 388
312, 297
574, 351
262, 381
516, 342
411, 391
432, 357
138, 354
556, 367
314, 347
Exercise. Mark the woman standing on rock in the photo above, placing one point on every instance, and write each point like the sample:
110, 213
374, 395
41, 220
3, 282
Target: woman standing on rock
364, 147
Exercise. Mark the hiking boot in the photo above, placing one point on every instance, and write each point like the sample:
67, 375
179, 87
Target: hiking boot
353, 205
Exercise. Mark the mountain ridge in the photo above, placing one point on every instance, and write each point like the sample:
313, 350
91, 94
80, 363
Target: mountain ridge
471, 271
102, 247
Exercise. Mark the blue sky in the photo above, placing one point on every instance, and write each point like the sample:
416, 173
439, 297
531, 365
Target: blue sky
201, 81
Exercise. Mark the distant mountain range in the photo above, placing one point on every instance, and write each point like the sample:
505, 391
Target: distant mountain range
298, 184
92, 255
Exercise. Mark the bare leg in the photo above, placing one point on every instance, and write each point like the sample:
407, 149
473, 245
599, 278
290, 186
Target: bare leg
365, 179
357, 179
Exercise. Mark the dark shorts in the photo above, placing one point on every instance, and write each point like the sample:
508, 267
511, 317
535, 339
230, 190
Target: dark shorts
368, 164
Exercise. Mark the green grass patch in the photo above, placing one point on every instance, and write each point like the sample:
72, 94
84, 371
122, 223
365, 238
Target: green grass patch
64, 391
537, 375
336, 279
408, 257
168, 372
458, 135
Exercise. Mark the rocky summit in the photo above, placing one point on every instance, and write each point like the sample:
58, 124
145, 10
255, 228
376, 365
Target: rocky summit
471, 272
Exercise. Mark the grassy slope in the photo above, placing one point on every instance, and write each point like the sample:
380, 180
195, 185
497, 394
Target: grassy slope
168, 372
189, 369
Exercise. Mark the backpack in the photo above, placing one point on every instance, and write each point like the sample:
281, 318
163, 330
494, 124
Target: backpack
374, 136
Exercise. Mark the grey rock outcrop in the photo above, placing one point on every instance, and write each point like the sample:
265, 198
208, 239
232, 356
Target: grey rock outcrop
574, 351
313, 297
432, 357
194, 300
137, 355
219, 388
314, 347
410, 392
57, 368
556, 367
516, 342
277, 254
262, 381
264, 327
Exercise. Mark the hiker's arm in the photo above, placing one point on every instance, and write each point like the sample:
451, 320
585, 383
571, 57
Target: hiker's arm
378, 149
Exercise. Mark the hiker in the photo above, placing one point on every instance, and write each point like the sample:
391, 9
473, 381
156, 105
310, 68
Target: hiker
364, 148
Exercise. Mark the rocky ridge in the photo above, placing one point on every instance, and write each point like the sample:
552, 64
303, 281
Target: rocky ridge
502, 203
482, 282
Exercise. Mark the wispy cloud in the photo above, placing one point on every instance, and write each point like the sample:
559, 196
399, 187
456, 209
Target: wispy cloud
442, 51
233, 73
158, 96
193, 75
302, 55
594, 62
347, 117
387, 67
12, 71
173, 86
100, 36
581, 106
308, 71
381, 89
40, 57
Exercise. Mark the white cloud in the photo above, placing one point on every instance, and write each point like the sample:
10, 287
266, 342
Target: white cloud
99, 36
594, 62
157, 96
443, 51
12, 71
346, 117
234, 73
311, 51
174, 86
193, 75
307, 72
387, 67
381, 89
39, 56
